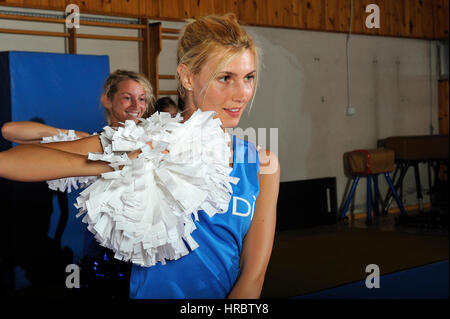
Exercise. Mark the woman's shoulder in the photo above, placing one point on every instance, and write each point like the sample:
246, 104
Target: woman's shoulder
268, 160
269, 163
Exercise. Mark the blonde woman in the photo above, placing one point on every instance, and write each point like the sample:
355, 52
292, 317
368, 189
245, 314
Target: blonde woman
217, 71
127, 95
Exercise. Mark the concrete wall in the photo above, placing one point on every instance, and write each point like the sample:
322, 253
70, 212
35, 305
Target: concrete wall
303, 92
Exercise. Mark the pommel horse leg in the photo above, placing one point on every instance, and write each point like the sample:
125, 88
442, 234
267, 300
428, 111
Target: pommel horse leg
394, 192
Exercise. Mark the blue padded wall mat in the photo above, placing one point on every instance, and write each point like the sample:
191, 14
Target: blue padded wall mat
63, 90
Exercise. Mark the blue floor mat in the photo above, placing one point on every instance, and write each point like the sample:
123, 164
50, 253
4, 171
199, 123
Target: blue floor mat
425, 282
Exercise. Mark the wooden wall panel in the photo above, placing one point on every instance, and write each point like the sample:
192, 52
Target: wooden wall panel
93, 6
386, 16
314, 14
171, 9
359, 18
224, 6
124, 8
18, 3
198, 8
296, 13
129, 8
441, 18
397, 21
335, 19
410, 17
38, 4
428, 18
53, 5
250, 12
149, 8
277, 13
344, 9
417, 12
403, 18
414, 12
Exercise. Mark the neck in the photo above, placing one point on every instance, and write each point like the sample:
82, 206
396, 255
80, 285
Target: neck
189, 109
114, 123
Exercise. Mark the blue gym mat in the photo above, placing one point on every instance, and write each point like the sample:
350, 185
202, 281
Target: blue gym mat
425, 282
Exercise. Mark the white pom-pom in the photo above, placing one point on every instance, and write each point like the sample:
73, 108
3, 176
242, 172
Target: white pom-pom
67, 183
143, 211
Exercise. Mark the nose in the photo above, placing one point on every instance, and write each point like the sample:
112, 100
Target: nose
133, 101
242, 91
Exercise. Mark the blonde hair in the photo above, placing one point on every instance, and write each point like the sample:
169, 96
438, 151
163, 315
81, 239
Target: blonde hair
111, 86
211, 35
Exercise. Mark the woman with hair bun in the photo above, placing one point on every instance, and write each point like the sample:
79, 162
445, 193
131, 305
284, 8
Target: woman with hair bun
218, 71
225, 253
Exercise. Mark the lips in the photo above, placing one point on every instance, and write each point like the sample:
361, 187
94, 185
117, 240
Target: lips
133, 114
233, 112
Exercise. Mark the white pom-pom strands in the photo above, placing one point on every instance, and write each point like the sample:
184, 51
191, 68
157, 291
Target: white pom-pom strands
143, 209
66, 184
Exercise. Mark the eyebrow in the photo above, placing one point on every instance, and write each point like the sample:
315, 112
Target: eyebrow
131, 93
232, 73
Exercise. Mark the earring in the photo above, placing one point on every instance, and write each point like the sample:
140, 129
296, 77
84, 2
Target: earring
189, 89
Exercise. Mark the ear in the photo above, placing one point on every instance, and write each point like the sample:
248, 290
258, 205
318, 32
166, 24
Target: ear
186, 76
106, 102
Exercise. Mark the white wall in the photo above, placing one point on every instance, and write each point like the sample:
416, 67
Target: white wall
303, 91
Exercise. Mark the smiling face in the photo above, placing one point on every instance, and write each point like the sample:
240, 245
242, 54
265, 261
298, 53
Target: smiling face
128, 103
228, 92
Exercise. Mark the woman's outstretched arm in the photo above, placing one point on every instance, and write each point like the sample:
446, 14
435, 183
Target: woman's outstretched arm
31, 163
26, 132
83, 146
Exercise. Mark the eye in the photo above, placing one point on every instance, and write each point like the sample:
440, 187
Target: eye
224, 78
250, 77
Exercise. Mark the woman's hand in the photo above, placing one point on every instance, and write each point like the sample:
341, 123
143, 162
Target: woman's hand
134, 154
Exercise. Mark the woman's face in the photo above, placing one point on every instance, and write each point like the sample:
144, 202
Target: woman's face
128, 103
230, 91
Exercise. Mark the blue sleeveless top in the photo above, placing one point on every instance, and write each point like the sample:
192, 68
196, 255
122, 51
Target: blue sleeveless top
209, 271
